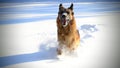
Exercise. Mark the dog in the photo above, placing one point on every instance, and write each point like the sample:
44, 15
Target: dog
67, 34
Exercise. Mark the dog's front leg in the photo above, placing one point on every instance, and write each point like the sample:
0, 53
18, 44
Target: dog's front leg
59, 52
59, 49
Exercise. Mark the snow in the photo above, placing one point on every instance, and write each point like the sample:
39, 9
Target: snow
33, 44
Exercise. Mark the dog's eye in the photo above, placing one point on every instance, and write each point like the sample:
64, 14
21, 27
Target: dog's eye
61, 12
72, 13
67, 12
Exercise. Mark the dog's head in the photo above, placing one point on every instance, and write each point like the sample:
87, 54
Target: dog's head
65, 14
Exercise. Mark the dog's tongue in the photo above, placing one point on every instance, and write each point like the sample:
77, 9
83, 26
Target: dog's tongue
64, 21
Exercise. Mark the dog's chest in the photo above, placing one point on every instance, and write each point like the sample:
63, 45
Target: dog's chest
64, 34
64, 31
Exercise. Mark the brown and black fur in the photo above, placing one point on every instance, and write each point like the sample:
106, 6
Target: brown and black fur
68, 37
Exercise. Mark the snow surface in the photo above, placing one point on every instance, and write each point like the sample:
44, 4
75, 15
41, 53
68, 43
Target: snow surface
33, 44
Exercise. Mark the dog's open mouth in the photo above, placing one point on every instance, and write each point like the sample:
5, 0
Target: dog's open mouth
63, 21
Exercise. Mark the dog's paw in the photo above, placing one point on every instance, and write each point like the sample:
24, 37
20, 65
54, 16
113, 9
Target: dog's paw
59, 52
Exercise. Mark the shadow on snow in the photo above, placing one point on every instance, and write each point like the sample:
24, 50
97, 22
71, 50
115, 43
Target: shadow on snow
47, 49
45, 53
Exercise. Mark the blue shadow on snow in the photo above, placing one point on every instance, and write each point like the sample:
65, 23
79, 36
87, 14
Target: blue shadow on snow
43, 54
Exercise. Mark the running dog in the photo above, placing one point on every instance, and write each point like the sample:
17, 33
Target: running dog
67, 34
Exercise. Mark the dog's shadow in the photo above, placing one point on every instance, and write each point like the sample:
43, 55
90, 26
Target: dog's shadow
46, 53
47, 50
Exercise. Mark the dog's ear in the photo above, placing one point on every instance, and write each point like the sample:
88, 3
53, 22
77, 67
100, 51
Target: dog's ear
60, 6
71, 7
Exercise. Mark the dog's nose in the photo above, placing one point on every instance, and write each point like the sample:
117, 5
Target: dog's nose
63, 16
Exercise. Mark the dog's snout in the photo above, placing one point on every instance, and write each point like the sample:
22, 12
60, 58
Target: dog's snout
63, 16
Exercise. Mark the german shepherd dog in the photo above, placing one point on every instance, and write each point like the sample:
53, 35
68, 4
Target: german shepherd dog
67, 33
